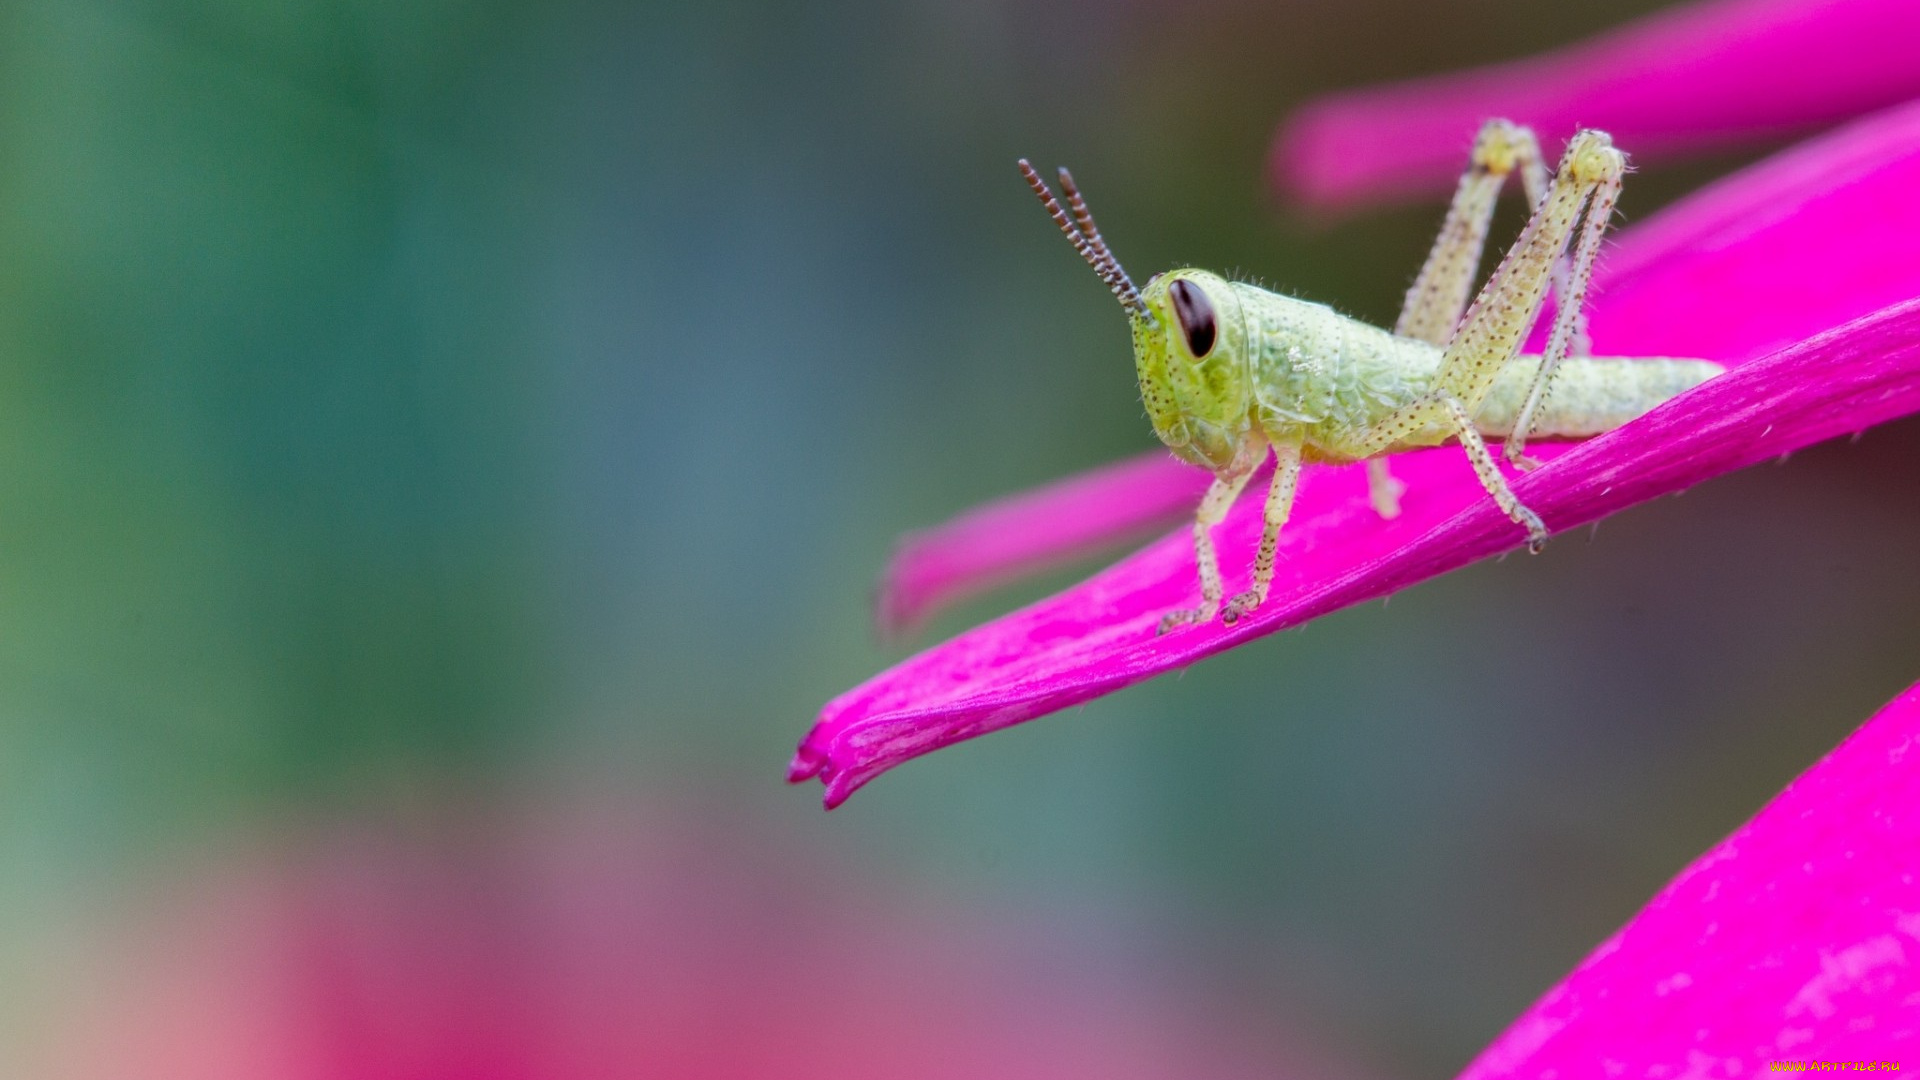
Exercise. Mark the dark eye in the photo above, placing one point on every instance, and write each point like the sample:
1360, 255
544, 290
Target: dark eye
1196, 317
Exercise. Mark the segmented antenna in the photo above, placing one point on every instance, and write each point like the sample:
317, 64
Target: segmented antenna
1085, 236
1084, 218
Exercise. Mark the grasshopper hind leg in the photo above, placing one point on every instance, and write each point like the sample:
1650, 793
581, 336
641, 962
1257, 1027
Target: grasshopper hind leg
1569, 322
1439, 293
1490, 478
1580, 199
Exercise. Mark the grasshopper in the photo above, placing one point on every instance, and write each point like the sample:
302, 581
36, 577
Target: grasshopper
1230, 372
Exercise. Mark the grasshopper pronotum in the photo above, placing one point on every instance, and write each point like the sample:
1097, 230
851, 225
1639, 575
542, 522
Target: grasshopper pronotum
1229, 371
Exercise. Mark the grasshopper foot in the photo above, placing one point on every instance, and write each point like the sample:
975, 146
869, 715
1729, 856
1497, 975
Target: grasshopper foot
1383, 490
1386, 502
1242, 605
1536, 531
1174, 620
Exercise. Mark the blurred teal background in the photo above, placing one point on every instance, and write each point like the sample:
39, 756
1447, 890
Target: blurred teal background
445, 453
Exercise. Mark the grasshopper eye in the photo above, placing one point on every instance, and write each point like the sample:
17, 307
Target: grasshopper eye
1196, 317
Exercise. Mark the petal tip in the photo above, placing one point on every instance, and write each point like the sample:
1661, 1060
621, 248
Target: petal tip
836, 794
810, 763
806, 764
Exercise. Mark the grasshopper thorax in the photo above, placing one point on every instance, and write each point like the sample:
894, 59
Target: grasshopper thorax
1191, 352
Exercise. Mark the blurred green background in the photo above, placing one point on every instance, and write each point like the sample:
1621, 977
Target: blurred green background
469, 433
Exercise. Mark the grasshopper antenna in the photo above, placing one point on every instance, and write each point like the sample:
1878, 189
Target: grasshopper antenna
1084, 218
1085, 237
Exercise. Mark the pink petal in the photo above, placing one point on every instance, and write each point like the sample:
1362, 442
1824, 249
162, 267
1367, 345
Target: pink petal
1099, 636
1812, 237
1024, 533
1798, 937
1690, 282
1694, 78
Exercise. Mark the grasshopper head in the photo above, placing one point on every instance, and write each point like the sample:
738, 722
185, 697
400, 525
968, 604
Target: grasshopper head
1190, 349
1189, 340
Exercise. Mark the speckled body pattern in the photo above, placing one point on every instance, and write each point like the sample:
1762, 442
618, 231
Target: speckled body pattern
1317, 377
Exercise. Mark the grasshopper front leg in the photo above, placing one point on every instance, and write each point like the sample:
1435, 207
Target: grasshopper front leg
1220, 496
1286, 478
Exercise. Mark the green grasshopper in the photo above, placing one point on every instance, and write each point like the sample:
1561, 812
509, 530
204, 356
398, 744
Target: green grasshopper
1230, 372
